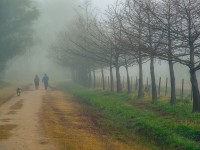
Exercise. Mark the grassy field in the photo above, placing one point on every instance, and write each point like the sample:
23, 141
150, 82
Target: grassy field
160, 124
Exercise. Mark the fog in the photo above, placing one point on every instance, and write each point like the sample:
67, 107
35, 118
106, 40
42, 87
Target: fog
55, 16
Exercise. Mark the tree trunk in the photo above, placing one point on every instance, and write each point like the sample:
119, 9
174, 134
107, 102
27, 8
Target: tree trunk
103, 80
141, 88
118, 78
159, 86
193, 78
73, 73
136, 84
173, 87
89, 78
111, 79
131, 83
171, 66
195, 92
153, 81
166, 86
128, 80
83, 75
94, 79
140, 91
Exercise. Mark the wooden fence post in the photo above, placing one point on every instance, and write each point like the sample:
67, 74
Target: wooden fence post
123, 82
182, 92
131, 83
108, 82
136, 84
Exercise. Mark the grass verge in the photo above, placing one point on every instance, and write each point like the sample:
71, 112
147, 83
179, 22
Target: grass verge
121, 119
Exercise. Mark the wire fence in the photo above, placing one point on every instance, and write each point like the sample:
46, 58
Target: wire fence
183, 87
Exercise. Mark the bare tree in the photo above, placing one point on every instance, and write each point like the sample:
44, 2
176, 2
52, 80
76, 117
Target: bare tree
188, 29
165, 16
133, 28
116, 34
152, 40
182, 26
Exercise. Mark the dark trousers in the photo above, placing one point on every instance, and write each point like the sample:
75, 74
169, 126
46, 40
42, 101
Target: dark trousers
46, 86
36, 85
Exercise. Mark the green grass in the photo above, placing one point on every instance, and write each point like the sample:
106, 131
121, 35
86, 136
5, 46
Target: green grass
166, 126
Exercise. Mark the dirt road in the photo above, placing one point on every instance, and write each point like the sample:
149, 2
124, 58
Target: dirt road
20, 121
52, 120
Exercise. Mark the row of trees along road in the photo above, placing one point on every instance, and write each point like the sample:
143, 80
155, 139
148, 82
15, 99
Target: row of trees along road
131, 33
16, 19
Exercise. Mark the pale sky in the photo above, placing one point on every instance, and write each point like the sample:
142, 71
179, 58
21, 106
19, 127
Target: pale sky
102, 4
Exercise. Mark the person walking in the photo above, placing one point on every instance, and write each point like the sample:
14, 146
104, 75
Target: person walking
45, 80
36, 81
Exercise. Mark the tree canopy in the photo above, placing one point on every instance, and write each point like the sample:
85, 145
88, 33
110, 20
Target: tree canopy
16, 19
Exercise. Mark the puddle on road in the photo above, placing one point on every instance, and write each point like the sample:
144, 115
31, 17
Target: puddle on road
17, 105
5, 120
11, 112
43, 141
5, 131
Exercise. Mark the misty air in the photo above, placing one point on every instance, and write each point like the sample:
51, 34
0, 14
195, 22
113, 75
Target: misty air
99, 74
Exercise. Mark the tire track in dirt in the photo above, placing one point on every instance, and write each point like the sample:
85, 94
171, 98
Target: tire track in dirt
71, 129
19, 119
